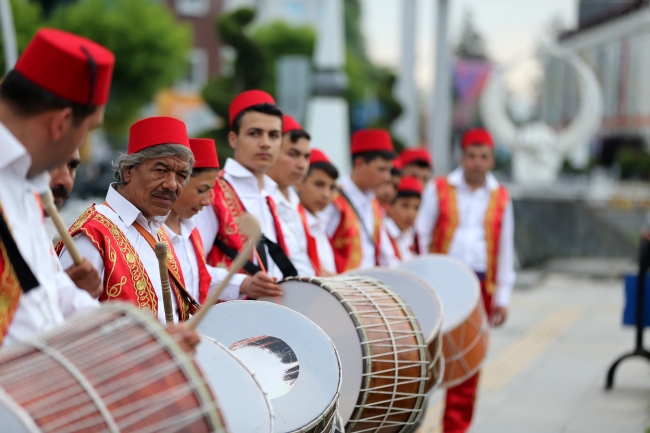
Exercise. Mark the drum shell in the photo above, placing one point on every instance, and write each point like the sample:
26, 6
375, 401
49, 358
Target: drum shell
465, 347
435, 374
82, 365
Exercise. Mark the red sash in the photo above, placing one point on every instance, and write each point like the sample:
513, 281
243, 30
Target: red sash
228, 209
395, 247
447, 223
346, 241
10, 291
205, 279
312, 249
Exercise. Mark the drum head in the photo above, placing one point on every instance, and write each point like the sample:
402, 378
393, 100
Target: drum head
281, 337
455, 283
324, 309
418, 294
242, 400
14, 418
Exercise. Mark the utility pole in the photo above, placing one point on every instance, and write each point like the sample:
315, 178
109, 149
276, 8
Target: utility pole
439, 131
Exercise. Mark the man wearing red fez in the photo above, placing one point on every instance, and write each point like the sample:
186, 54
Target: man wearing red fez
243, 186
316, 192
118, 236
48, 103
469, 216
401, 216
355, 218
416, 162
288, 171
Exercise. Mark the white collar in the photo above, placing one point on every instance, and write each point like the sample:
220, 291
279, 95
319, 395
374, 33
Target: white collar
234, 169
291, 203
354, 193
392, 229
15, 157
128, 212
457, 179
187, 226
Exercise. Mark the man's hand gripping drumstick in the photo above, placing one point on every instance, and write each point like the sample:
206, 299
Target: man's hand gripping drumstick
82, 273
161, 254
249, 227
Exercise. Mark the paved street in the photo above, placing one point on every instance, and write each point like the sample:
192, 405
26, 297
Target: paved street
546, 369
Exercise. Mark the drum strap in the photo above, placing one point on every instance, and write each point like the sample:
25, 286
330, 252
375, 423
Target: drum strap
24, 274
275, 251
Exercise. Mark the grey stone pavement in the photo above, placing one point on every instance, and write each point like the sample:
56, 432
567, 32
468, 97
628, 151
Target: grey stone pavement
546, 368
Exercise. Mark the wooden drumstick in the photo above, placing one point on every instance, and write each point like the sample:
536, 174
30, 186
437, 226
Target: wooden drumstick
48, 204
250, 228
161, 253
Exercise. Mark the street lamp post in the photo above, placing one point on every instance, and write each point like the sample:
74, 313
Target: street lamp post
10, 49
440, 112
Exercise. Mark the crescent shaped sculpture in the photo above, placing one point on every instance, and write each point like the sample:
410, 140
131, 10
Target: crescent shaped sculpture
537, 149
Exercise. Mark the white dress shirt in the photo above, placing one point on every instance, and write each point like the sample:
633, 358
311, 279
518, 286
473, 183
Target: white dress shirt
56, 298
403, 239
363, 203
294, 232
469, 242
318, 229
124, 214
247, 189
190, 265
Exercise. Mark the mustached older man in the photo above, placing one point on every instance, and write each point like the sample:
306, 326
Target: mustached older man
118, 236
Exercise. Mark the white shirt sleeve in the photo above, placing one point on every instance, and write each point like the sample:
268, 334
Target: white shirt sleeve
506, 268
427, 216
73, 300
208, 225
231, 292
333, 217
87, 249
387, 256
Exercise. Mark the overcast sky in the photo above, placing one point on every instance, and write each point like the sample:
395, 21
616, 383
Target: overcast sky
510, 27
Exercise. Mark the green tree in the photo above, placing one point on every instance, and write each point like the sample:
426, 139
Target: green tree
27, 20
150, 48
471, 44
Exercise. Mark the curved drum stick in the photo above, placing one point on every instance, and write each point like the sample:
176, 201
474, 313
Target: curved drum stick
250, 228
161, 253
48, 204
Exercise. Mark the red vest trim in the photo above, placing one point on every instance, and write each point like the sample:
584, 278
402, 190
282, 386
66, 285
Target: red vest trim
312, 249
10, 292
205, 279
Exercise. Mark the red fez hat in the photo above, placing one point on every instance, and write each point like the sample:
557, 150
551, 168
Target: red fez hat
318, 155
410, 184
246, 100
398, 164
205, 153
153, 131
68, 66
415, 154
477, 137
290, 124
371, 140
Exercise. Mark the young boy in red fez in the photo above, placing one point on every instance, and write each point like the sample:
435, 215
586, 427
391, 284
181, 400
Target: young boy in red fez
355, 218
199, 277
118, 236
469, 216
416, 162
256, 136
288, 171
401, 216
48, 103
316, 192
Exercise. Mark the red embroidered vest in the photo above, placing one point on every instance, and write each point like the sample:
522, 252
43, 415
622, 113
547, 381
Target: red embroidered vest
125, 278
312, 249
346, 241
205, 279
10, 292
228, 209
447, 222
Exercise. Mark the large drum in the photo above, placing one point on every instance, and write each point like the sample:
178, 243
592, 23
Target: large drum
425, 304
465, 326
114, 369
244, 404
383, 353
293, 359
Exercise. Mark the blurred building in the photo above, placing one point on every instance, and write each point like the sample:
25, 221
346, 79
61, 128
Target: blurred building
614, 39
293, 11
